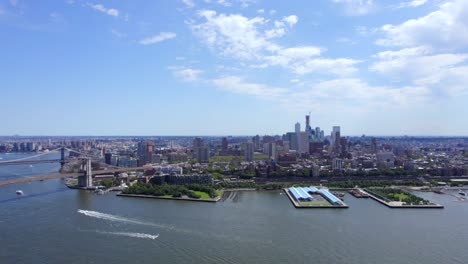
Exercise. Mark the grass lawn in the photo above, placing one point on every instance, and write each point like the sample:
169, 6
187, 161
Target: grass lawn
260, 157
401, 196
203, 195
315, 203
218, 158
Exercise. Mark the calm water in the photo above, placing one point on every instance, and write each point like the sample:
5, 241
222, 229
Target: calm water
52, 224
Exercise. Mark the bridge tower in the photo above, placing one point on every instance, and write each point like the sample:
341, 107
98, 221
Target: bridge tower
86, 180
62, 157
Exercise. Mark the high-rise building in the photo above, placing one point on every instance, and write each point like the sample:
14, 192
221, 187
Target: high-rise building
141, 153
292, 139
248, 151
149, 151
317, 134
303, 142
108, 158
256, 142
298, 135
224, 144
200, 151
336, 129
374, 145
308, 128
270, 149
337, 164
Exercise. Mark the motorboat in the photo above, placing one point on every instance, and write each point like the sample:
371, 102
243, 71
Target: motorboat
462, 193
19, 192
99, 191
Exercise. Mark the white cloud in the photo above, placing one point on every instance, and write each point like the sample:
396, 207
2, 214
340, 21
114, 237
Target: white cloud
323, 65
158, 38
118, 34
229, 3
335, 93
446, 28
414, 3
188, 3
247, 39
290, 20
237, 85
419, 66
356, 7
187, 74
102, 8
233, 35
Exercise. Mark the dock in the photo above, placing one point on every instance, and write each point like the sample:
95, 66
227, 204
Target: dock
400, 204
298, 205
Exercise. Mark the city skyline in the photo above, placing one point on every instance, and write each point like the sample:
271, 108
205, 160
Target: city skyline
234, 67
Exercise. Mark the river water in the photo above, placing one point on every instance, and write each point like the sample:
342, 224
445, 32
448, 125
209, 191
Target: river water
53, 224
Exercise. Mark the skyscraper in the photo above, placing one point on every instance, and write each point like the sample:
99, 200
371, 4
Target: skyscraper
149, 151
224, 145
200, 151
298, 134
308, 128
336, 129
248, 151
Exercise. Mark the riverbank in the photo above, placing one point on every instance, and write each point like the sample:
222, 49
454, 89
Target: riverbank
213, 200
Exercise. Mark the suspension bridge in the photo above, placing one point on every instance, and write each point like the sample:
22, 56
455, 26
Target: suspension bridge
85, 178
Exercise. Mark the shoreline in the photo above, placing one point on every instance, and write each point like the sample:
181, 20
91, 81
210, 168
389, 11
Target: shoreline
213, 200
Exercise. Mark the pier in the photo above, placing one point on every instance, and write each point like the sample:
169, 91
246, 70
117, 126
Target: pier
395, 204
298, 204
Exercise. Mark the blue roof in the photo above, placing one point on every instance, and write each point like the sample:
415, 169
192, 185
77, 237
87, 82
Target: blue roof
304, 193
299, 193
330, 196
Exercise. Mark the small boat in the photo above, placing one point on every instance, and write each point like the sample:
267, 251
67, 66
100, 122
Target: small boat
99, 191
19, 192
462, 193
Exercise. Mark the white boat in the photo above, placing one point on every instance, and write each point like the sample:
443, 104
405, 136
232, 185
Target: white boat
462, 193
99, 191
19, 192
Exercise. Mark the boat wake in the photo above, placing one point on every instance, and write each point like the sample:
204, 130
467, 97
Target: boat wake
116, 218
130, 234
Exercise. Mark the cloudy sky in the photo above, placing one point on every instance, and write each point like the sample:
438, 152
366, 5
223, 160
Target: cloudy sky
233, 67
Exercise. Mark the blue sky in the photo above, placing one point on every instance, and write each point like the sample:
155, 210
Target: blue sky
233, 67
